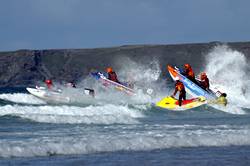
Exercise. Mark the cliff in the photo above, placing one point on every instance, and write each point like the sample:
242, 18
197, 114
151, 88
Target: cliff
25, 67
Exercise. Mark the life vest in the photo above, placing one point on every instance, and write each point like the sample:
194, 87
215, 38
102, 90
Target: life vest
113, 76
48, 83
179, 86
190, 73
222, 100
205, 82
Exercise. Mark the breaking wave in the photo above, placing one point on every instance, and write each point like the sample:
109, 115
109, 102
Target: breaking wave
154, 138
227, 71
107, 114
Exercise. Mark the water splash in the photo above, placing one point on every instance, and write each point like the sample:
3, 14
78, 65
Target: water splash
144, 77
140, 73
227, 71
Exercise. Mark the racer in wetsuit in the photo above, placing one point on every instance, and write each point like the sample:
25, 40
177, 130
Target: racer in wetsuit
112, 75
179, 87
204, 81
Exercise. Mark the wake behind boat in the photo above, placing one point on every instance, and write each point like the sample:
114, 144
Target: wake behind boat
58, 96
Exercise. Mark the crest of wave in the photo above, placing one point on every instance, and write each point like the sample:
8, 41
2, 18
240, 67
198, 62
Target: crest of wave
227, 70
107, 114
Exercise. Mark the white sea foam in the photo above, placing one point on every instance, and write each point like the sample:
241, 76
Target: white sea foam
107, 114
143, 76
227, 71
21, 98
93, 142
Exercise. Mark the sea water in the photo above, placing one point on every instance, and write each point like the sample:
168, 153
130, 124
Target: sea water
131, 132
42, 134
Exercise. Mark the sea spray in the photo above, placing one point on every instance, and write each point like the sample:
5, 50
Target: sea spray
144, 76
227, 71
139, 72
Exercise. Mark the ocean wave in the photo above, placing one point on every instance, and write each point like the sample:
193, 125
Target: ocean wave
107, 114
87, 143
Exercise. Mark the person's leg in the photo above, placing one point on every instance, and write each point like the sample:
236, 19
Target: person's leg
181, 96
180, 99
184, 95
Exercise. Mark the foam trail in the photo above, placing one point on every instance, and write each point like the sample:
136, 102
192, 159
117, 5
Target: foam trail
227, 70
21, 98
108, 114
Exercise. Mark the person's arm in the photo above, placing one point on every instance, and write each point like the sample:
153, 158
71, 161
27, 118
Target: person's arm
175, 91
225, 104
117, 78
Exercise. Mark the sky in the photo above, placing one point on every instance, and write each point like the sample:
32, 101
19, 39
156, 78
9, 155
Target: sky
55, 24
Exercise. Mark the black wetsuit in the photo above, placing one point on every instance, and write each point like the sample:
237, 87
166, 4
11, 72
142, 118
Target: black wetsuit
182, 95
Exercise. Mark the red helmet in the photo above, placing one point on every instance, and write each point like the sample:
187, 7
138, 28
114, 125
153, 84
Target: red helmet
109, 69
187, 66
48, 81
